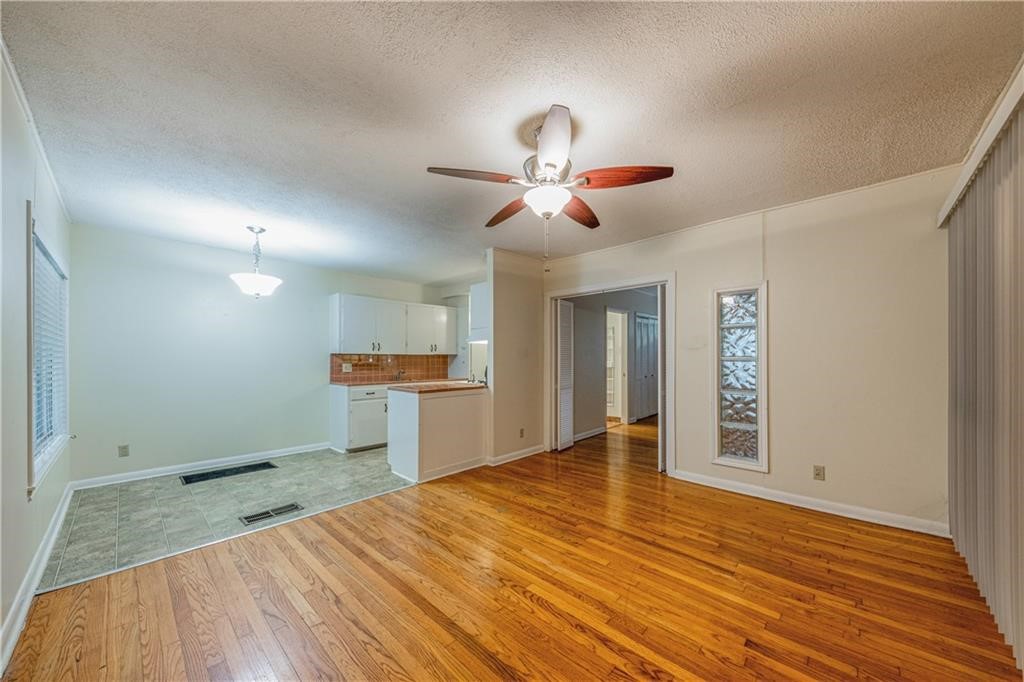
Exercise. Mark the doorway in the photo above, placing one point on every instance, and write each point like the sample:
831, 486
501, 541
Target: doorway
616, 368
610, 365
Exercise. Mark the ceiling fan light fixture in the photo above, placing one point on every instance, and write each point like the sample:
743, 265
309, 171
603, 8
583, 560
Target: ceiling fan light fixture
547, 201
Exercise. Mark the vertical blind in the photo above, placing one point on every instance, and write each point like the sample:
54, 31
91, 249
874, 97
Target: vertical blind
986, 396
49, 357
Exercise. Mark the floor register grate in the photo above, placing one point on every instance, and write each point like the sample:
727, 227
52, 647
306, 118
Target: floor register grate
187, 479
250, 519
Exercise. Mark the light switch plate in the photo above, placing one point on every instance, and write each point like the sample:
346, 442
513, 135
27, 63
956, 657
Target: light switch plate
346, 367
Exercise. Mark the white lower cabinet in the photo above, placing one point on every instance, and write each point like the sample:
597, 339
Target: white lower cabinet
359, 417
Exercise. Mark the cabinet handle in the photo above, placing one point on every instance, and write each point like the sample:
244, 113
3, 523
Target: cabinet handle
385, 408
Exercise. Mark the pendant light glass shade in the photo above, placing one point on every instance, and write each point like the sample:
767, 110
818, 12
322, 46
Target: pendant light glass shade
255, 283
547, 200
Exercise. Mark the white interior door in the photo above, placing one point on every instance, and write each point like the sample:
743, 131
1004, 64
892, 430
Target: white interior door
565, 375
645, 399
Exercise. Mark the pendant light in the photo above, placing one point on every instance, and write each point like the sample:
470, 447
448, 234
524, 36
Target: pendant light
256, 283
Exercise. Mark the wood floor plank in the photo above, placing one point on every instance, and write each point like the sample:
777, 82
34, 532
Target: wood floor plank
586, 564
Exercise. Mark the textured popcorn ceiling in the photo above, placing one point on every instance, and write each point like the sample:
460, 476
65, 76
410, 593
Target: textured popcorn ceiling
318, 120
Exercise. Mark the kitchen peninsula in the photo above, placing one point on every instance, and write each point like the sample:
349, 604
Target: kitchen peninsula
436, 428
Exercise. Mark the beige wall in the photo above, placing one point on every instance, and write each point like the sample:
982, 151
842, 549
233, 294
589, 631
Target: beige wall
170, 358
24, 521
516, 358
856, 339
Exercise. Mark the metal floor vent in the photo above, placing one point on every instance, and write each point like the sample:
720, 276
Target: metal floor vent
228, 471
250, 519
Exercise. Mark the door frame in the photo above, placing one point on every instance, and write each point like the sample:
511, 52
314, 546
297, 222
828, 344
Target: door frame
666, 284
624, 359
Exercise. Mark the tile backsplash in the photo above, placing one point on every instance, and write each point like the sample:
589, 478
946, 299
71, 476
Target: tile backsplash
378, 369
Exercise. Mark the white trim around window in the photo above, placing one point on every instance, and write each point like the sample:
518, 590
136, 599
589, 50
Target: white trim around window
760, 463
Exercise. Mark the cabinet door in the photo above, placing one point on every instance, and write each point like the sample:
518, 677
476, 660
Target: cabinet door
367, 423
445, 341
480, 308
420, 331
358, 325
391, 326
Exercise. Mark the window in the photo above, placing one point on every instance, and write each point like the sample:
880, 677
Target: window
49, 360
740, 425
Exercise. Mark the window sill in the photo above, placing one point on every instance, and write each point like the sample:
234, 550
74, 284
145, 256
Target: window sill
46, 460
739, 463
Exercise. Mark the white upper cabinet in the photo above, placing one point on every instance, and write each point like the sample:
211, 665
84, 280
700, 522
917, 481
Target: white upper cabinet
391, 327
419, 333
431, 330
364, 325
480, 312
360, 324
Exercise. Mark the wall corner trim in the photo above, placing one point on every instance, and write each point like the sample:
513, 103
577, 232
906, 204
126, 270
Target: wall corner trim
850, 511
15, 621
1009, 99
8, 63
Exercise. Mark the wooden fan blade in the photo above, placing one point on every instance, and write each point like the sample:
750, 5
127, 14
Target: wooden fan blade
578, 210
486, 176
513, 207
621, 176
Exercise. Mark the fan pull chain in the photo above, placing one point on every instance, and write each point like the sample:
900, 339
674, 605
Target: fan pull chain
547, 235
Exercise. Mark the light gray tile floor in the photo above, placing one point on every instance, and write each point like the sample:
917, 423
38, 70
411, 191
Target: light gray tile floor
121, 525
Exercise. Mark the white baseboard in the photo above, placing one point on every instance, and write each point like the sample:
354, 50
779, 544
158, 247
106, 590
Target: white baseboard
15, 620
196, 466
518, 454
838, 508
450, 469
588, 434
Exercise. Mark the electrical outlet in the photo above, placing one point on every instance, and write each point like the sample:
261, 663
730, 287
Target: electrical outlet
522, 432
122, 451
819, 472
346, 367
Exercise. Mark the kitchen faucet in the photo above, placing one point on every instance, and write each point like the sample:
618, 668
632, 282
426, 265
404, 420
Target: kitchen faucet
398, 374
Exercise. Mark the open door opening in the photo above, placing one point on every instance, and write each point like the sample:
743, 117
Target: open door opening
617, 369
609, 371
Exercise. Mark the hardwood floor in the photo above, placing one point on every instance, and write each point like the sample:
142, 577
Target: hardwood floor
576, 566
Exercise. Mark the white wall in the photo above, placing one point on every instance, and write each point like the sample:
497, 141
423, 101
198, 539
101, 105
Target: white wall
589, 409
857, 339
24, 521
516, 353
170, 358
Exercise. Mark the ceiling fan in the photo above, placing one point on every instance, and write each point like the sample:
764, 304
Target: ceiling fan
549, 175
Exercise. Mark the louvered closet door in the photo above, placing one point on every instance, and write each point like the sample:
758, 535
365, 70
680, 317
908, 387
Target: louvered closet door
646, 370
565, 375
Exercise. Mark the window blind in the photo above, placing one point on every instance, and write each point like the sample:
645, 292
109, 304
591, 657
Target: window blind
986, 402
49, 358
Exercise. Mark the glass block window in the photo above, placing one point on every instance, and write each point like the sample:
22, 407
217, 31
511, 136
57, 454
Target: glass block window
739, 388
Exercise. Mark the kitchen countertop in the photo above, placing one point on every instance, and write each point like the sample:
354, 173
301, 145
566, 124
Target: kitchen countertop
395, 383
436, 387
